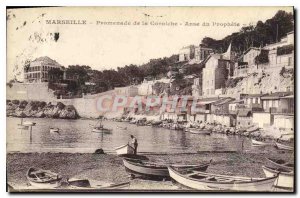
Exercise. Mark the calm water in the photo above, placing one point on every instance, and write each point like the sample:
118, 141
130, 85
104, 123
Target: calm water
76, 136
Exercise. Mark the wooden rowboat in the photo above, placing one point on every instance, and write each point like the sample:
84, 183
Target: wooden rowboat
199, 131
44, 179
285, 178
125, 149
281, 163
209, 181
260, 143
155, 170
284, 147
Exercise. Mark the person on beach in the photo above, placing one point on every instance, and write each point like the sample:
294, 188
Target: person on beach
134, 143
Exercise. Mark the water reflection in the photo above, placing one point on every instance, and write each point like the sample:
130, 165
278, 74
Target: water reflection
76, 136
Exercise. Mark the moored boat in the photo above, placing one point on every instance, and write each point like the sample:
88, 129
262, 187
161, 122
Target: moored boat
281, 163
285, 178
260, 143
156, 170
125, 149
199, 131
209, 181
101, 130
54, 130
284, 147
44, 179
122, 128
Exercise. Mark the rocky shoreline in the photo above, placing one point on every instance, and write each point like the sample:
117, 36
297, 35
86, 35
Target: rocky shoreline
40, 109
253, 131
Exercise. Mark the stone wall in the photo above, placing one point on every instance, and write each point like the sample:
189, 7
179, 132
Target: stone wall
85, 106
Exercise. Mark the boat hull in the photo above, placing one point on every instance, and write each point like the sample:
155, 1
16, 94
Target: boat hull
285, 179
259, 143
155, 171
264, 184
50, 185
282, 164
284, 147
39, 182
125, 149
199, 131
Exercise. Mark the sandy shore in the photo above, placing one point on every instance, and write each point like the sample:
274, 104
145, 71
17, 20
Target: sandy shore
109, 168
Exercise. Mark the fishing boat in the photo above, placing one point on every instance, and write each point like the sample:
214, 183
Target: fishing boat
260, 143
25, 125
54, 130
285, 178
125, 149
155, 170
281, 163
199, 131
284, 147
99, 128
28, 123
44, 179
209, 181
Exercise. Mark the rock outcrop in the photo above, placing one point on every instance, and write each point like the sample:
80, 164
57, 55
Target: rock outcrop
40, 109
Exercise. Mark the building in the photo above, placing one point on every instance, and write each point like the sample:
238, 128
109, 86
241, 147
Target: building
250, 54
201, 53
217, 70
37, 70
187, 53
253, 101
280, 102
129, 91
197, 86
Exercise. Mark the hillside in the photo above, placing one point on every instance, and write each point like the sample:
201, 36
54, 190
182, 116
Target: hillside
267, 82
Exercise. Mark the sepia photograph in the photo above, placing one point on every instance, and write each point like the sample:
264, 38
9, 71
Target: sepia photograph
150, 99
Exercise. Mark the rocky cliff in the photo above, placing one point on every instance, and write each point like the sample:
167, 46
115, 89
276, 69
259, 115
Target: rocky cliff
40, 109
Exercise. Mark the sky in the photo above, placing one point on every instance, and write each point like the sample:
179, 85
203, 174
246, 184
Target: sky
112, 46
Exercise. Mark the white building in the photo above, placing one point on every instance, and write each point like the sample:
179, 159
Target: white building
37, 70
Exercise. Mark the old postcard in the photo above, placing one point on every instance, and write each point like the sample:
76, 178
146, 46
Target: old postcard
193, 99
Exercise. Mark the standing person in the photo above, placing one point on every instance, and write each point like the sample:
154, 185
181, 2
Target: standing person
134, 143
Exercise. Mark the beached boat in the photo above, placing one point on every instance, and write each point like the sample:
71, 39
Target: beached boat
281, 163
284, 147
260, 143
156, 170
285, 178
252, 129
125, 149
54, 130
44, 179
199, 131
209, 181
